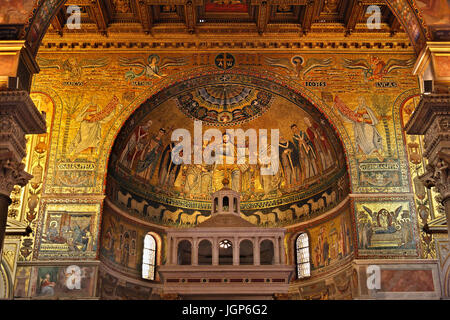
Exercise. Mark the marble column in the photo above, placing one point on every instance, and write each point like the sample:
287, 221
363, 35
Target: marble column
215, 252
235, 251
256, 253
282, 252
170, 251
276, 251
194, 258
174, 251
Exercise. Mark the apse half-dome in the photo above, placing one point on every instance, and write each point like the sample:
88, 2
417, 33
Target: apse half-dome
145, 182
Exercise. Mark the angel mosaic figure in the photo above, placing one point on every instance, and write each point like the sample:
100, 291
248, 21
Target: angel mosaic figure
297, 64
73, 67
375, 68
152, 67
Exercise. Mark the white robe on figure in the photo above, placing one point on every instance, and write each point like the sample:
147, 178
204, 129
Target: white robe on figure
367, 136
89, 134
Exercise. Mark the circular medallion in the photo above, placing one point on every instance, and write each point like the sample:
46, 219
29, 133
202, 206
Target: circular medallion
224, 61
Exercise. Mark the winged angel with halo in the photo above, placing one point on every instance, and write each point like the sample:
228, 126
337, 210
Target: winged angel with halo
375, 68
72, 66
297, 64
151, 68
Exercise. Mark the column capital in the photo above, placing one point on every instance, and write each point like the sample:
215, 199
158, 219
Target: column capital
438, 175
11, 173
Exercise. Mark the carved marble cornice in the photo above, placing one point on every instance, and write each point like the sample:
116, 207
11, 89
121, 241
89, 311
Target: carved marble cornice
18, 62
437, 137
432, 119
430, 106
19, 106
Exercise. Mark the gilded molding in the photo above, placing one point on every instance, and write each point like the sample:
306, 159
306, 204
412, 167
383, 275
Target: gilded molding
206, 45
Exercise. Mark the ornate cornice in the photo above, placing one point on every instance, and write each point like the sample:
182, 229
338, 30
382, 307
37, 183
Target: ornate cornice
197, 45
19, 106
430, 106
226, 36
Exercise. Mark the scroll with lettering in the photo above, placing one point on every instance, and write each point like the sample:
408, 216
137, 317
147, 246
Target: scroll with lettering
105, 111
346, 111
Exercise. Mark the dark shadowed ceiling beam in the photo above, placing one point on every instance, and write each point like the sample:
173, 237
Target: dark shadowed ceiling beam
190, 10
59, 20
353, 15
190, 16
145, 15
263, 16
97, 12
310, 14
394, 24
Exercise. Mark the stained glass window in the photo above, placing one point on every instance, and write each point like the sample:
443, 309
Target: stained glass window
149, 258
303, 265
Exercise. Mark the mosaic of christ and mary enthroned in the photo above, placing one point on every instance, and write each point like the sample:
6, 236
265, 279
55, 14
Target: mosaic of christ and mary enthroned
311, 162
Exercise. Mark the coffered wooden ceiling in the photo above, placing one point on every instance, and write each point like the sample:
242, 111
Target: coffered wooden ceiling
215, 17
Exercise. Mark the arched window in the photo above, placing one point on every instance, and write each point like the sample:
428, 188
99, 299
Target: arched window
149, 258
302, 249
